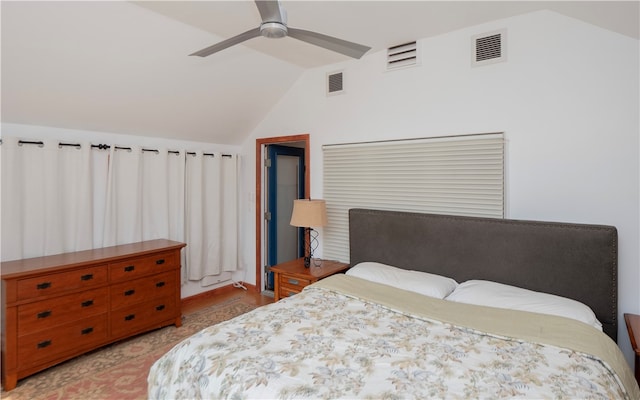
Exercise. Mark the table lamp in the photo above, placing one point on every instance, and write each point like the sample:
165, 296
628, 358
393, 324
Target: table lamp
307, 214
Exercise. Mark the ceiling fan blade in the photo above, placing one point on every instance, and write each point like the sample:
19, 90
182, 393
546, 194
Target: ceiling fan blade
228, 43
269, 11
350, 49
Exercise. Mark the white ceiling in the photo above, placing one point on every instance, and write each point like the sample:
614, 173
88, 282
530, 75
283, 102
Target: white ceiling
122, 67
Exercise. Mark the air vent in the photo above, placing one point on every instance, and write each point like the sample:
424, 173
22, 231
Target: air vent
335, 83
489, 48
402, 55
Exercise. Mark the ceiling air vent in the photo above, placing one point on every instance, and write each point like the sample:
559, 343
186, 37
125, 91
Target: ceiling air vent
402, 55
489, 48
335, 83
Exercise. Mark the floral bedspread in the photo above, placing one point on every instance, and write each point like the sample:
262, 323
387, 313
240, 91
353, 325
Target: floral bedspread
323, 344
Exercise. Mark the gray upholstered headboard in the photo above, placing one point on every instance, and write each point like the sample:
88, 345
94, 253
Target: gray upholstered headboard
572, 260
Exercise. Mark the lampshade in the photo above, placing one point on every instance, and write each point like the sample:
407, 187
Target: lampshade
309, 213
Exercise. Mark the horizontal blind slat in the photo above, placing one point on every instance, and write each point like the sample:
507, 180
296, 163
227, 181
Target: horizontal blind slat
457, 175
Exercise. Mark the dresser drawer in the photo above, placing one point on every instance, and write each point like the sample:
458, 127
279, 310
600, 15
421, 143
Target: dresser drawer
44, 346
126, 321
293, 282
47, 314
138, 267
60, 283
287, 292
139, 290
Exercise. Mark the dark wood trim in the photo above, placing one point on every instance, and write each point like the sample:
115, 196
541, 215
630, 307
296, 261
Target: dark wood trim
633, 328
259, 211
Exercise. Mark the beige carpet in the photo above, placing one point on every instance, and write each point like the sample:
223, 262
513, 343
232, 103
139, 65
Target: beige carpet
119, 371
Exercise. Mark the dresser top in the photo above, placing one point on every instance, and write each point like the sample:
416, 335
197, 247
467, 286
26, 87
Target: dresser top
16, 268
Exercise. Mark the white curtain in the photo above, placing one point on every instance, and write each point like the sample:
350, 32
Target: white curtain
58, 199
123, 213
145, 196
175, 201
100, 168
47, 202
163, 195
211, 221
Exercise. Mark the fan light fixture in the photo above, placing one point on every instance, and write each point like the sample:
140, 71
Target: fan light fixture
273, 30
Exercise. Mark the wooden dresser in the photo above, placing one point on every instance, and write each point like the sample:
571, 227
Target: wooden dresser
57, 307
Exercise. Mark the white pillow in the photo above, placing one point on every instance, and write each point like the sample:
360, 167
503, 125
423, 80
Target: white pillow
414, 281
493, 294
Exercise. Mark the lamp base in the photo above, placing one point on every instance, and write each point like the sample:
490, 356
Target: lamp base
311, 239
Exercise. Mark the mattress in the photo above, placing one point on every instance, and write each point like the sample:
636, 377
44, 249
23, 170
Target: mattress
345, 337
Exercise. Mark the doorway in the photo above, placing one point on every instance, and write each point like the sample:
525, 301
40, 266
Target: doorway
284, 183
273, 244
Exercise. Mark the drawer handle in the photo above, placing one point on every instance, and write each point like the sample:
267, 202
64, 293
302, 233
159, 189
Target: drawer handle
129, 317
86, 331
160, 261
87, 303
44, 344
43, 285
129, 268
160, 284
160, 307
86, 277
44, 314
129, 292
293, 281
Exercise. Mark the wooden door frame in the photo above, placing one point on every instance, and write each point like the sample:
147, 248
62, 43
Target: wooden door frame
259, 195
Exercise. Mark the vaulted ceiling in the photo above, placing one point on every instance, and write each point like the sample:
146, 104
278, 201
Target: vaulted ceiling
123, 67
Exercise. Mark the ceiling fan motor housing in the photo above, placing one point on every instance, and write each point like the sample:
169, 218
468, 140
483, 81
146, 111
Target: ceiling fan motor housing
273, 30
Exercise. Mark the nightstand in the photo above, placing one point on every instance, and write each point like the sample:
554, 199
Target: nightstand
633, 327
291, 277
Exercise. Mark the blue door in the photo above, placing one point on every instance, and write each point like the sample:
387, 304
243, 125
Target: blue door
285, 183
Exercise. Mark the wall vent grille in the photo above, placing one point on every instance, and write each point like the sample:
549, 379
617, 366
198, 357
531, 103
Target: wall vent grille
402, 55
335, 83
488, 48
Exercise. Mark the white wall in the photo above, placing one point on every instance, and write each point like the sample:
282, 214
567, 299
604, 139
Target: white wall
567, 100
31, 132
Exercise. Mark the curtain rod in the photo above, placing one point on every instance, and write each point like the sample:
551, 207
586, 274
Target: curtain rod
106, 146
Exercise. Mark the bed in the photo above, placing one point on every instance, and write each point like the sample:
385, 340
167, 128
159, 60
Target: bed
405, 321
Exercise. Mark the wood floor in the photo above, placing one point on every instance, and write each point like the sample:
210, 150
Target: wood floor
193, 304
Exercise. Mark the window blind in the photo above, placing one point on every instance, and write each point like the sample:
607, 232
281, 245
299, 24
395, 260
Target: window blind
461, 175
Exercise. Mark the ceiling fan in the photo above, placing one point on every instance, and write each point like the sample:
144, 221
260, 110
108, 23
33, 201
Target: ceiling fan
274, 25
